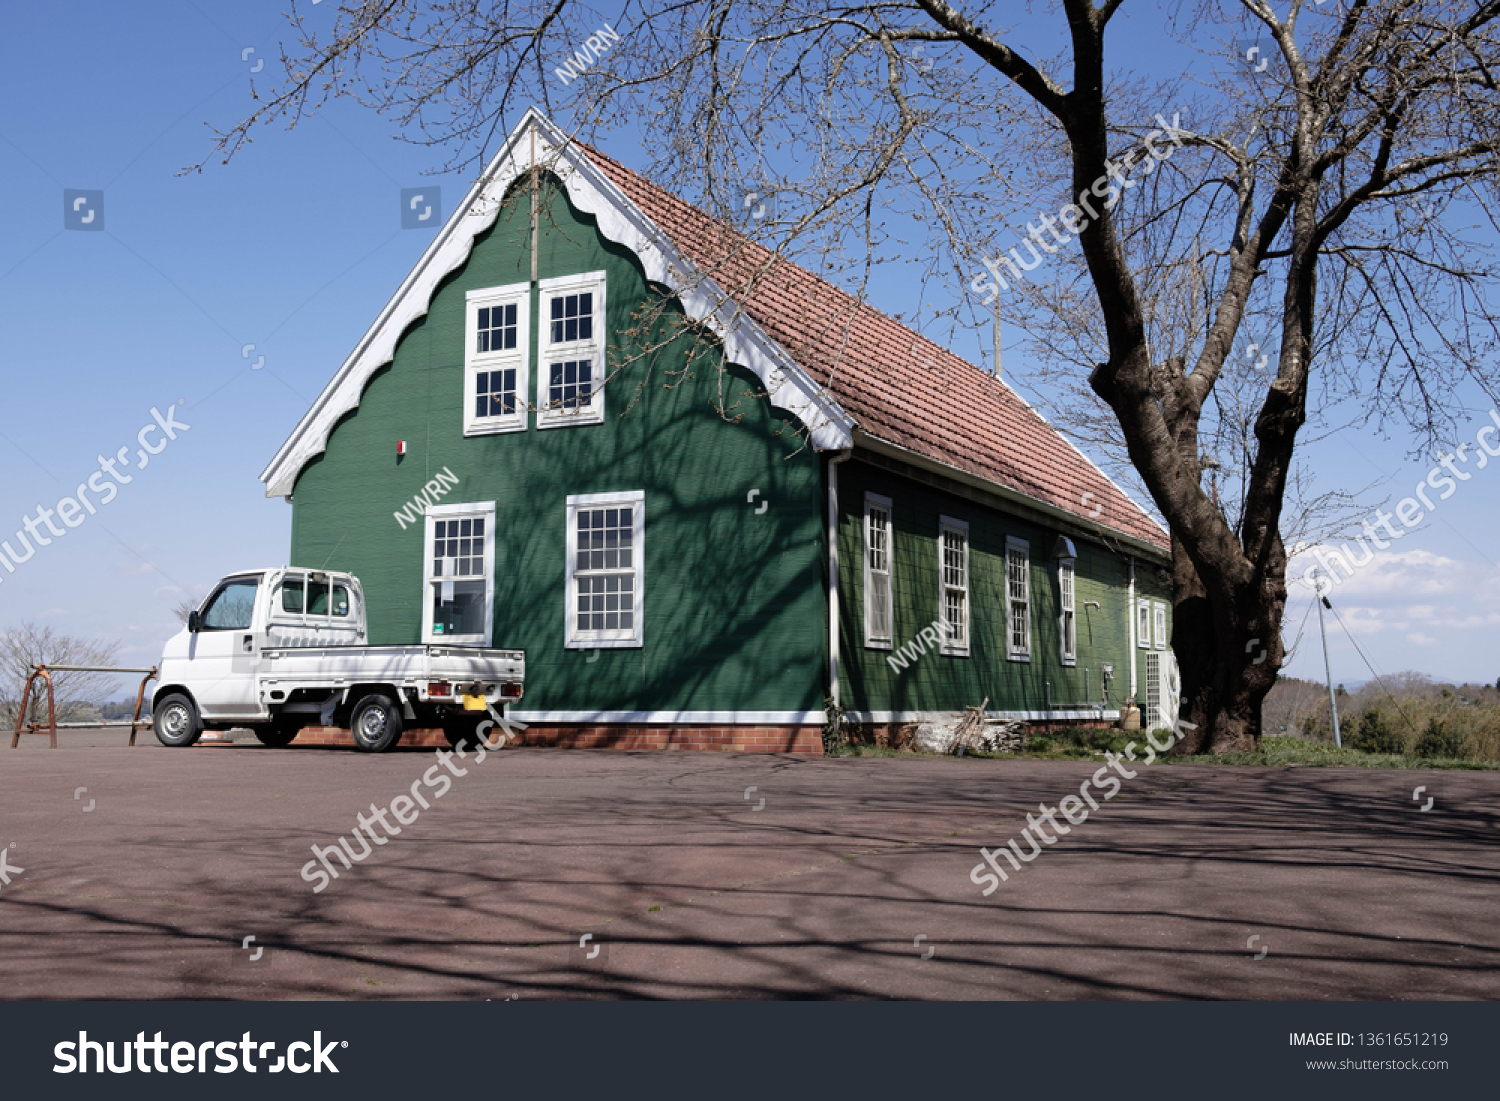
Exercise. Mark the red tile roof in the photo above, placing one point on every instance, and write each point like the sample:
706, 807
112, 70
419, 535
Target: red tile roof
899, 386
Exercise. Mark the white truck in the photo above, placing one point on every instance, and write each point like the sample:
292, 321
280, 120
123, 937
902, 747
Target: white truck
279, 649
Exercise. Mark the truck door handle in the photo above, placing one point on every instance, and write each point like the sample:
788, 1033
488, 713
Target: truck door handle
247, 644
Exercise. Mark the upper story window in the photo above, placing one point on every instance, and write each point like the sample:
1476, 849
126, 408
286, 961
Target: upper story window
877, 571
953, 565
496, 367
1143, 623
570, 355
1160, 611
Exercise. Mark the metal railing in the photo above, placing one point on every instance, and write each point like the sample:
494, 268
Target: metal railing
51, 726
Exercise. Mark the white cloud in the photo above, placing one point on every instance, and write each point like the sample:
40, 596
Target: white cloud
1417, 638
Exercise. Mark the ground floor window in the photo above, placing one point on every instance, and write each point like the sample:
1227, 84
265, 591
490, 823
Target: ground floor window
1066, 576
1018, 598
606, 552
459, 598
878, 612
953, 565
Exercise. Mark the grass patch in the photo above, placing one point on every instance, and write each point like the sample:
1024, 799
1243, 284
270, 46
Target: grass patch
1091, 745
1294, 751
849, 750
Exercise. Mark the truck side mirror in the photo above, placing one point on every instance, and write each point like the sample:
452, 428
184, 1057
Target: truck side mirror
193, 622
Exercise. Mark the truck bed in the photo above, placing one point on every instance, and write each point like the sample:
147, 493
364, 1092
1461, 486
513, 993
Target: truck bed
337, 666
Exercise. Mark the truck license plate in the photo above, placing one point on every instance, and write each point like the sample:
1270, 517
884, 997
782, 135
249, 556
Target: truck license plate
474, 703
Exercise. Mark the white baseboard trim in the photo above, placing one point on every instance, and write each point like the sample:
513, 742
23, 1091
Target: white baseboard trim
935, 716
667, 718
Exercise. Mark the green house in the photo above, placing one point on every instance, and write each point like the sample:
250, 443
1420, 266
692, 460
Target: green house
706, 491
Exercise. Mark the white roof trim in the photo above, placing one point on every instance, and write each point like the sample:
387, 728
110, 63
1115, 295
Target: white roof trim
621, 221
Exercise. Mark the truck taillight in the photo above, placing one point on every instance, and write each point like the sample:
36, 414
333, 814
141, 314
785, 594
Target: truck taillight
510, 691
440, 688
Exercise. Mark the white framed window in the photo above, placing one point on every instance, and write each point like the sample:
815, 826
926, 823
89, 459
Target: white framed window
1066, 578
497, 342
878, 589
570, 351
606, 569
1143, 624
1018, 598
1160, 617
953, 585
458, 584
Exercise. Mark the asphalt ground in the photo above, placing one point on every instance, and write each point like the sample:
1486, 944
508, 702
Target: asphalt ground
850, 880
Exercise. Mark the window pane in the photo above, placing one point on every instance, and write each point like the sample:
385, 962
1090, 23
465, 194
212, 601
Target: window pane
232, 607
497, 328
572, 318
340, 600
462, 613
570, 384
291, 596
317, 598
458, 548
500, 393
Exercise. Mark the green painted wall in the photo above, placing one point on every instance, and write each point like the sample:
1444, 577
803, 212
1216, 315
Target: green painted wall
734, 610
936, 682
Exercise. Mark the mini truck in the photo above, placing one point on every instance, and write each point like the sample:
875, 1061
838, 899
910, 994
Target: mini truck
276, 650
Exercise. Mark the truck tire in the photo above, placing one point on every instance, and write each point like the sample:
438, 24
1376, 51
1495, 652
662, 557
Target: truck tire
376, 723
277, 735
176, 721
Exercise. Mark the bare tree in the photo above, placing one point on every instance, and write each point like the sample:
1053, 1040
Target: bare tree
186, 606
1307, 213
74, 694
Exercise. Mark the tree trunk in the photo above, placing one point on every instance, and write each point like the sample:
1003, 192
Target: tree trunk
1228, 657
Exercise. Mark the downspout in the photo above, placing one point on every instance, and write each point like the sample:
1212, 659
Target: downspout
1130, 612
833, 572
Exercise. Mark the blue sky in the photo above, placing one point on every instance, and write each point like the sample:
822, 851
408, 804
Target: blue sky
294, 247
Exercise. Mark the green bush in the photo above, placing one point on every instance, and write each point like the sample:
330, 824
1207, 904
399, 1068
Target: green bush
1441, 740
1376, 734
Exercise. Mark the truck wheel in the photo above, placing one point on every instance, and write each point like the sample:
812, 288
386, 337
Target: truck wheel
277, 735
176, 722
376, 723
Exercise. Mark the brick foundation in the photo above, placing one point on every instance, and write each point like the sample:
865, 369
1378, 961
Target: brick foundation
333, 735
804, 740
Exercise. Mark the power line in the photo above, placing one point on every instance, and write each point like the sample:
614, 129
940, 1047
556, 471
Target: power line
1370, 667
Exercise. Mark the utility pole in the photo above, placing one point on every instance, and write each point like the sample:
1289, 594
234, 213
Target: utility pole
997, 336
1333, 704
